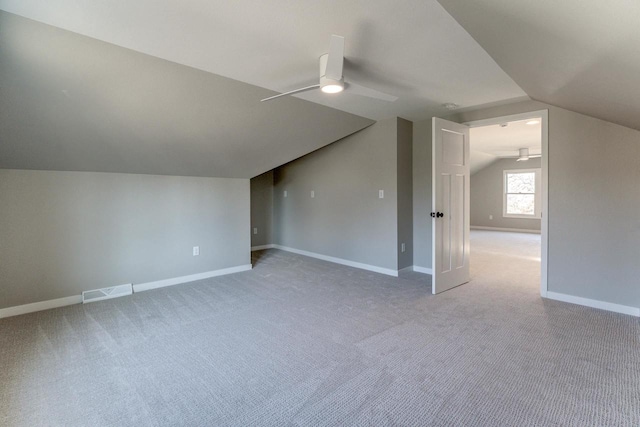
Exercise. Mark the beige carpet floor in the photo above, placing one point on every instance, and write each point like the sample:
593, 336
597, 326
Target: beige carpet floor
302, 342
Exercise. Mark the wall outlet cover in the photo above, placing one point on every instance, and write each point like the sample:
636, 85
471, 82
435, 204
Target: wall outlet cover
196, 250
381, 194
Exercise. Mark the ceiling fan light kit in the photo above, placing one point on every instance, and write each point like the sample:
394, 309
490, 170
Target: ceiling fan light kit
331, 87
332, 79
524, 155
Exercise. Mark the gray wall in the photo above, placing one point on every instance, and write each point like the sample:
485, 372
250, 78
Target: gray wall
65, 232
262, 209
594, 225
405, 193
346, 219
487, 197
422, 228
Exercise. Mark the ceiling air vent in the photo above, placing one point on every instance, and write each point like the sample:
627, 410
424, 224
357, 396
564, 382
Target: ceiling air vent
107, 293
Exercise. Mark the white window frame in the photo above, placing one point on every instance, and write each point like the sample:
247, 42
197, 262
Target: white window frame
537, 199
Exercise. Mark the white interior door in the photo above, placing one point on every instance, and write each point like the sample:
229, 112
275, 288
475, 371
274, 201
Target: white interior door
450, 215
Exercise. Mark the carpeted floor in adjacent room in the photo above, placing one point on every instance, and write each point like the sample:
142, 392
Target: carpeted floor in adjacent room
298, 341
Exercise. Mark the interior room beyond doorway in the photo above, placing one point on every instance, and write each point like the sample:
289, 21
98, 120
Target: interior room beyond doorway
506, 199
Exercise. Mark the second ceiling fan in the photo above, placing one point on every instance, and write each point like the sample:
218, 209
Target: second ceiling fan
523, 155
331, 78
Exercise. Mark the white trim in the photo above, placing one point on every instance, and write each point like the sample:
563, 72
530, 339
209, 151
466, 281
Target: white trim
543, 115
387, 271
261, 247
406, 269
544, 222
514, 230
109, 293
609, 306
424, 270
39, 306
77, 299
190, 278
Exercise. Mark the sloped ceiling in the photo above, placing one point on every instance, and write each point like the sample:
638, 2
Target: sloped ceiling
70, 102
582, 55
412, 49
505, 141
489, 143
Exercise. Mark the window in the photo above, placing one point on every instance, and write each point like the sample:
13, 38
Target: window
522, 193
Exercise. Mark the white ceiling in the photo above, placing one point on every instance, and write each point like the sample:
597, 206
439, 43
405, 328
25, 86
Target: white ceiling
583, 55
489, 143
413, 49
505, 141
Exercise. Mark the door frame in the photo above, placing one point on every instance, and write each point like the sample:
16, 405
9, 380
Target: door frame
543, 115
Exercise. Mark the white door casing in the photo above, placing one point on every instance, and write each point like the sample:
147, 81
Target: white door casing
450, 215
544, 116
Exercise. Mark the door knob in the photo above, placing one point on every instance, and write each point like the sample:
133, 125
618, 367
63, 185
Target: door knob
437, 214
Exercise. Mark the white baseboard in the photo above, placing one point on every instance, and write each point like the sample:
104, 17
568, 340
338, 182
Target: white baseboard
424, 270
387, 271
39, 306
609, 306
140, 287
515, 230
107, 293
262, 247
77, 299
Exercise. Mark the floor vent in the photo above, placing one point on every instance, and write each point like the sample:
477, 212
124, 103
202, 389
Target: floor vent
107, 293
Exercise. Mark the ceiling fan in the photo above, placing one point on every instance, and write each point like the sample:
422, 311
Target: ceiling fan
523, 155
331, 78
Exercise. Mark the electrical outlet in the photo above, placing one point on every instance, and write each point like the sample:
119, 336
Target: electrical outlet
196, 250
381, 194
402, 248
255, 230
313, 194
490, 216
285, 193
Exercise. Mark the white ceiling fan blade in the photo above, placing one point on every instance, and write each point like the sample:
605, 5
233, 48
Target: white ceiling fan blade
355, 89
291, 92
335, 61
533, 156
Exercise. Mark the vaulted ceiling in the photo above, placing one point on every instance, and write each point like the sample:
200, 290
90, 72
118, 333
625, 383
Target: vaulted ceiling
414, 49
70, 102
169, 87
582, 55
492, 142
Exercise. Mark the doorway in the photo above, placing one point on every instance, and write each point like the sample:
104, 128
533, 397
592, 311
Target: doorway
509, 190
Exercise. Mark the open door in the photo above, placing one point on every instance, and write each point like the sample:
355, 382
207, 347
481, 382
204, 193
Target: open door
450, 216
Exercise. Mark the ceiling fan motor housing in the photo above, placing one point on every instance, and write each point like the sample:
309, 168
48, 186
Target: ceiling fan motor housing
327, 84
